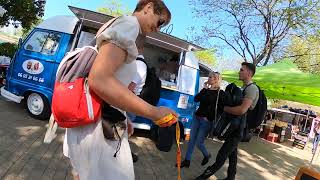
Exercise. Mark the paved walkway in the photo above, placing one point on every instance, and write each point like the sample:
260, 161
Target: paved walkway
24, 156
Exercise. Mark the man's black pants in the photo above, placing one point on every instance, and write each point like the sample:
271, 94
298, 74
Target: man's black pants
229, 150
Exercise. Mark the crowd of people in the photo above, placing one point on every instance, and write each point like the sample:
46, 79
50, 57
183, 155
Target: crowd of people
117, 78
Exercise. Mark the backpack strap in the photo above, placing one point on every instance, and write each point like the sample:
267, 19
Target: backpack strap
106, 25
141, 59
246, 87
103, 28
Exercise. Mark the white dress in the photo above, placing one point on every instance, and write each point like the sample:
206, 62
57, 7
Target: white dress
91, 155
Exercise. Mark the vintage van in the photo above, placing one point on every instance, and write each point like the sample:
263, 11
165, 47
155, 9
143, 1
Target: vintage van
31, 74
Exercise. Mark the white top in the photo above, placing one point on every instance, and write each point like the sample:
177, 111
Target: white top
123, 33
140, 77
91, 155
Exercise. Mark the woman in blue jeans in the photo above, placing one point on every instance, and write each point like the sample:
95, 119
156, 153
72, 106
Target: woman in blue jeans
204, 116
316, 140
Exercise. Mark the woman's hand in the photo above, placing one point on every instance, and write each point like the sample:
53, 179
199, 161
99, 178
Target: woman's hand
162, 112
206, 85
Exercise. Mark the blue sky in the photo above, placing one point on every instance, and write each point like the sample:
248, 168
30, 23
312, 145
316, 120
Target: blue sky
182, 19
181, 11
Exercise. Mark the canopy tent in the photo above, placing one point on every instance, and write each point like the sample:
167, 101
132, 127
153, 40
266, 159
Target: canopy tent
283, 80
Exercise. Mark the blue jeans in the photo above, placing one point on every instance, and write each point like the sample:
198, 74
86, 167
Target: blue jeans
315, 142
200, 128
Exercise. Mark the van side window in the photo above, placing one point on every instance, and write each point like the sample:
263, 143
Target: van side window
43, 42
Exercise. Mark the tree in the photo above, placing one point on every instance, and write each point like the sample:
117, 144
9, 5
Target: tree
207, 56
305, 52
26, 31
114, 8
254, 29
25, 12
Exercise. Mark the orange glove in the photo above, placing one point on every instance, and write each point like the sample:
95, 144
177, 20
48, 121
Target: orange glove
166, 121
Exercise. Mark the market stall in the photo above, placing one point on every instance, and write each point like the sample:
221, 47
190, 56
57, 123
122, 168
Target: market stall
285, 124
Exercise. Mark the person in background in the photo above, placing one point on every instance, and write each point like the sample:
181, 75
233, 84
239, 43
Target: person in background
204, 116
139, 79
316, 139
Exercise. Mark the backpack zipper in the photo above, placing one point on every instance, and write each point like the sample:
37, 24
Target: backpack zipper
89, 100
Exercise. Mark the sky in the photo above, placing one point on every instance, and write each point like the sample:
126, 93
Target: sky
182, 19
181, 11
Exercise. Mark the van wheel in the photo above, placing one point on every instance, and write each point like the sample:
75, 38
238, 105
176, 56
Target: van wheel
38, 106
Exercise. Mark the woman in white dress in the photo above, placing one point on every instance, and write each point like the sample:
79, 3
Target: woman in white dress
92, 156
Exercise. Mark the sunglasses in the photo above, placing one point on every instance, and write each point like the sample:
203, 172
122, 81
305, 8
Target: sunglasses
161, 23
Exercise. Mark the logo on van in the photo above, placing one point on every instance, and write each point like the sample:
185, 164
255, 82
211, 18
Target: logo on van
32, 66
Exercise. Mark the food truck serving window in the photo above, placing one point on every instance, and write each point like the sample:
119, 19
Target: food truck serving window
43, 42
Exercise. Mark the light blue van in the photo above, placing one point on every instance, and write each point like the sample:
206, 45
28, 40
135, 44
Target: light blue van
31, 75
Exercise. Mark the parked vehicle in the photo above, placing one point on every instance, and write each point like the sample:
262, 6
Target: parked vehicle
31, 74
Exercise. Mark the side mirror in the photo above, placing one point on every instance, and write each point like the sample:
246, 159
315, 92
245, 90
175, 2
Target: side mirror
20, 42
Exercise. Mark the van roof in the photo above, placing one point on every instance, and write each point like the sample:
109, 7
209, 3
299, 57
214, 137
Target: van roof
96, 20
65, 24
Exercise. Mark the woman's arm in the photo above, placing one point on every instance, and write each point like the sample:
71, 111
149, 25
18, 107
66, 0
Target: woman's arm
103, 82
200, 95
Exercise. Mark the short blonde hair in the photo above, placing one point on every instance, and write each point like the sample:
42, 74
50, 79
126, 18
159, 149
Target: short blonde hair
212, 73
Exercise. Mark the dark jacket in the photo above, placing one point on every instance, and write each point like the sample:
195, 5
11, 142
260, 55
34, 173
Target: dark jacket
208, 99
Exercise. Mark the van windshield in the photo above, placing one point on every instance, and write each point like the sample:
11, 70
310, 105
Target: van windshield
43, 42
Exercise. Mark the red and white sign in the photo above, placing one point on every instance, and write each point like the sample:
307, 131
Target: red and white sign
32, 66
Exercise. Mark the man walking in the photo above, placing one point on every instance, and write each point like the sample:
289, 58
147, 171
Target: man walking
229, 148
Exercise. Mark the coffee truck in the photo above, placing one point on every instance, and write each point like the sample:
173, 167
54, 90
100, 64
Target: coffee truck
31, 74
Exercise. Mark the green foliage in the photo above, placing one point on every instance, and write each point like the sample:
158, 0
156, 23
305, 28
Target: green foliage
305, 53
207, 56
283, 80
26, 31
114, 8
8, 49
27, 12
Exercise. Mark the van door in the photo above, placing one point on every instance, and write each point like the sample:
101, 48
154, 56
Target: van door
188, 84
188, 75
35, 62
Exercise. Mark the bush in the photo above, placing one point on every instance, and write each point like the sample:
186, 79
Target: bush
8, 49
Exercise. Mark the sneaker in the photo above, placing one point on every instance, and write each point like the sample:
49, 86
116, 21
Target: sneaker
206, 174
205, 160
134, 157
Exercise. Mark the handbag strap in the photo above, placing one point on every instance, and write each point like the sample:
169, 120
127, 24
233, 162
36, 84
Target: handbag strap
214, 124
216, 107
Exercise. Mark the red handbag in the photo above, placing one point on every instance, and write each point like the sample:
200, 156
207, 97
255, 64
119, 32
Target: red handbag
74, 104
